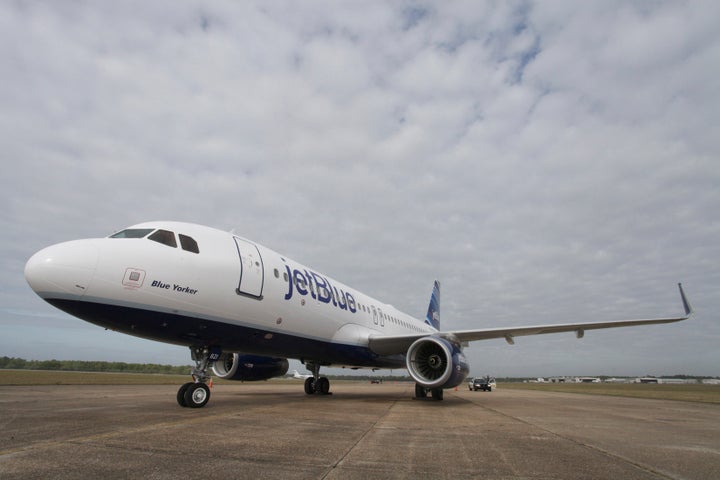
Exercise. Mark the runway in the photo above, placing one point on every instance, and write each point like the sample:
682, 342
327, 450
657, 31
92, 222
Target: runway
274, 430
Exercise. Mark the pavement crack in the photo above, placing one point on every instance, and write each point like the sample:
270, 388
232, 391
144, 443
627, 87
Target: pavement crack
594, 448
362, 437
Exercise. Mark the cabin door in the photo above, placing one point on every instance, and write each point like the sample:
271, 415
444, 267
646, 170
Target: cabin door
252, 273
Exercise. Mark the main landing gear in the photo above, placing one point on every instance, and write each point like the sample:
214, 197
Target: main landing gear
421, 392
196, 394
316, 383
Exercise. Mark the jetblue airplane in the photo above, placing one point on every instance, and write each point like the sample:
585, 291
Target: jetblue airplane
243, 309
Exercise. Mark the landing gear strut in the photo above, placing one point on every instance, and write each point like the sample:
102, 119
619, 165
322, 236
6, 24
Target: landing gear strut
196, 394
316, 383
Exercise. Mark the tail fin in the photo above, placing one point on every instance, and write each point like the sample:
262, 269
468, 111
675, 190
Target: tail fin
433, 314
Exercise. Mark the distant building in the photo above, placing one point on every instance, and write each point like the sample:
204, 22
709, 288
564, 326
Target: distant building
667, 381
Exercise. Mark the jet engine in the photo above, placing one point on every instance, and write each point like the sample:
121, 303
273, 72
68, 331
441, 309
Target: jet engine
248, 368
434, 362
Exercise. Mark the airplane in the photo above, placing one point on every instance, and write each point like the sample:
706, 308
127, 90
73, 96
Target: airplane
244, 309
300, 376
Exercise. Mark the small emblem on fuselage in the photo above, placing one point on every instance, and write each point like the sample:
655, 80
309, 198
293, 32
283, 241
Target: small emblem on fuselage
134, 278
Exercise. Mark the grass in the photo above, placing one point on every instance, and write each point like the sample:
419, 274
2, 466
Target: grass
49, 377
683, 392
59, 377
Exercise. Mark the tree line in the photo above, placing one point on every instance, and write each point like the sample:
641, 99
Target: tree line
90, 366
12, 363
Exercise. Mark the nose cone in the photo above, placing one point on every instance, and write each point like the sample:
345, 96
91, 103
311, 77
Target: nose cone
62, 270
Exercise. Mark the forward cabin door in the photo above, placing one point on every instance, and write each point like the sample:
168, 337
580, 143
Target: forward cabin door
252, 273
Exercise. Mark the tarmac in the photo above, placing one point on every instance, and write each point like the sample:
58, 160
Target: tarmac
273, 430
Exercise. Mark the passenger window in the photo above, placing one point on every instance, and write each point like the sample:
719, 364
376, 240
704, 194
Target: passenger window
189, 243
165, 237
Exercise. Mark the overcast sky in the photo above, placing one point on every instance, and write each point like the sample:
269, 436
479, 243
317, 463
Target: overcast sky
548, 163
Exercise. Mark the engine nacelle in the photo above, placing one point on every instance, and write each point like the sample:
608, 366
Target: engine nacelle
434, 362
248, 368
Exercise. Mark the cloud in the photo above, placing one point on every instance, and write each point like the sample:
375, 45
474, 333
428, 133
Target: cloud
547, 162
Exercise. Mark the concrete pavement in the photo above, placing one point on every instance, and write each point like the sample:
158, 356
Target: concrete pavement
274, 430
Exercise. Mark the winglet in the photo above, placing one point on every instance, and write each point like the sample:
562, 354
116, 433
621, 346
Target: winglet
688, 308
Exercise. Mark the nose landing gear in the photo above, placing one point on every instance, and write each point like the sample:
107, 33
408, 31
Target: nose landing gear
196, 394
193, 395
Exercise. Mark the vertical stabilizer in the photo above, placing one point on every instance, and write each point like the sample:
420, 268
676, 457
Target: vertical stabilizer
433, 314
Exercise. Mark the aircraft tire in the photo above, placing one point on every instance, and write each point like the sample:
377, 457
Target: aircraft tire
323, 386
309, 385
181, 394
420, 391
197, 395
437, 393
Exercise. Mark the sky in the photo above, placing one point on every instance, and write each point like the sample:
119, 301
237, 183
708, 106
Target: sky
548, 162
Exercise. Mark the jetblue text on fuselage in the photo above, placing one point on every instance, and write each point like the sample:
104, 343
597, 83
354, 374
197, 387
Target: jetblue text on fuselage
319, 288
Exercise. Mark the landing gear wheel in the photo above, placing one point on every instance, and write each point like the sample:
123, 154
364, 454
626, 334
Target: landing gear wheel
322, 386
181, 394
309, 385
437, 393
316, 383
420, 391
197, 395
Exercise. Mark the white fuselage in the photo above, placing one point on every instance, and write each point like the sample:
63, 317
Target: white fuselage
231, 293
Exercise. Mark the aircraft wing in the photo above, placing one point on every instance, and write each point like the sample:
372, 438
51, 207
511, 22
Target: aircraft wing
400, 343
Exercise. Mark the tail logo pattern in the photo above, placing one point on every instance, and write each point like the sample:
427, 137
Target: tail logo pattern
433, 314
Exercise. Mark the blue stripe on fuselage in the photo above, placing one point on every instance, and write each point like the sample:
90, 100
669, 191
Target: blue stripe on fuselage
192, 331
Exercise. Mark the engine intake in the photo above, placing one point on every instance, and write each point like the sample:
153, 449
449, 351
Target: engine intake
249, 368
435, 362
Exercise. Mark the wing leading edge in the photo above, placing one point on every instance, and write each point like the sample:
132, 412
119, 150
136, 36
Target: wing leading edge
399, 344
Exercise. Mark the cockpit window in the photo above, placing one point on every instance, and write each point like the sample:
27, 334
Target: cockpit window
188, 243
165, 237
132, 233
